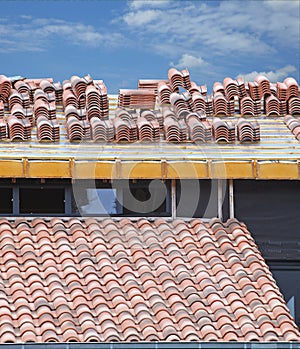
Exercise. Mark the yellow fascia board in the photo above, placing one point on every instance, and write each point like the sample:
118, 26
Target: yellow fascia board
187, 169
47, 169
139, 170
94, 169
11, 168
232, 169
277, 170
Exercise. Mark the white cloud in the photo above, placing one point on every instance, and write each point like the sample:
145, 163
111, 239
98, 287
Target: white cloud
189, 61
274, 76
139, 18
137, 4
37, 34
218, 28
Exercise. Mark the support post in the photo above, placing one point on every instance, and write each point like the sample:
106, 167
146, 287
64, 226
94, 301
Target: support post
173, 198
231, 199
220, 199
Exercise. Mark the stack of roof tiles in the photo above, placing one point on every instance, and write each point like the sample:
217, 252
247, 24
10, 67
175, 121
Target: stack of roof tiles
47, 129
5, 88
196, 88
180, 103
44, 104
16, 97
86, 93
150, 84
223, 131
102, 129
18, 128
248, 106
78, 129
248, 130
278, 98
3, 125
293, 124
50, 87
22, 113
153, 115
294, 106
175, 130
141, 98
125, 126
199, 128
25, 88
97, 101
164, 93
179, 78
104, 281
148, 130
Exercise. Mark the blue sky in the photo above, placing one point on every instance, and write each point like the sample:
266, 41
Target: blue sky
123, 41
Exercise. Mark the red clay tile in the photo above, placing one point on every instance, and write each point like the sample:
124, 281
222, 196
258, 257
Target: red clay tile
160, 283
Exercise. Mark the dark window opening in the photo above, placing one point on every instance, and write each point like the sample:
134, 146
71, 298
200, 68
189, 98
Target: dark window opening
146, 197
270, 210
42, 200
198, 198
121, 197
6, 202
287, 276
95, 201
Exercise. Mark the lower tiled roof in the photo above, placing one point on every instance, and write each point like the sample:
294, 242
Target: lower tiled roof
107, 280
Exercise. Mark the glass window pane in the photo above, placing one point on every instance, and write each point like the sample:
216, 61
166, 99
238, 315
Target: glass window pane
42, 200
96, 201
6, 202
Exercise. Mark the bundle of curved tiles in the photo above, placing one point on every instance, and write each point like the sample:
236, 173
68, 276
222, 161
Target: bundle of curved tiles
148, 130
125, 128
102, 129
97, 101
3, 129
249, 107
272, 106
22, 113
44, 105
3, 124
78, 130
196, 88
18, 128
50, 87
180, 104
103, 281
175, 130
248, 130
199, 129
25, 88
5, 88
47, 129
153, 116
164, 92
293, 124
222, 106
223, 131
16, 97
179, 78
69, 98
294, 106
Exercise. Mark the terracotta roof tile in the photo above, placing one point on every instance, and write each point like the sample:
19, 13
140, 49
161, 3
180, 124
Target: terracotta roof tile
90, 280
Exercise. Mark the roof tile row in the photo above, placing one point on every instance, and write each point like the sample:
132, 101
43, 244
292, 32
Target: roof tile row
103, 280
233, 96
